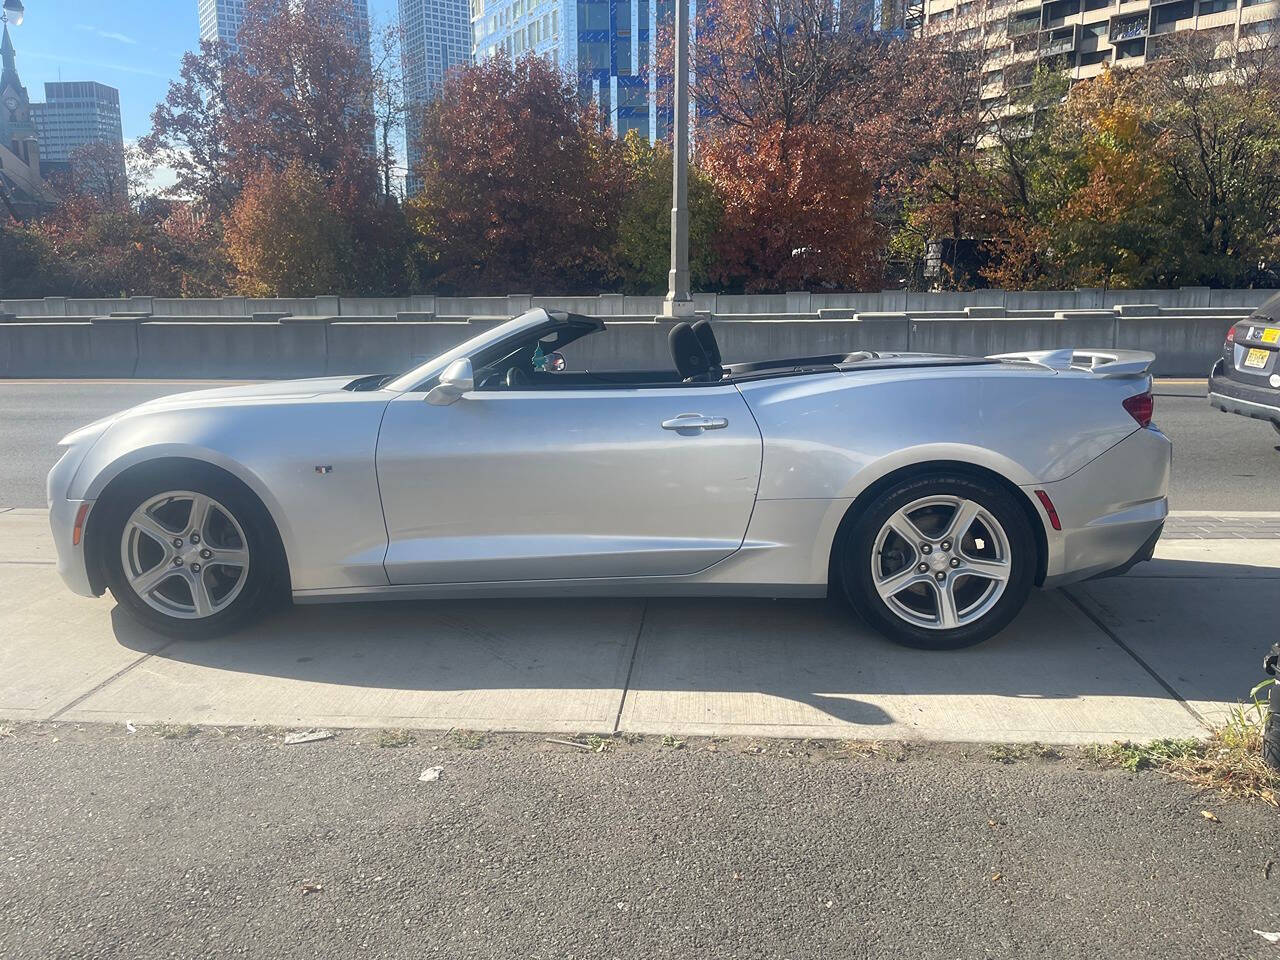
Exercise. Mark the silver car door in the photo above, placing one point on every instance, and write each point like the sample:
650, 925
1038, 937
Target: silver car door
573, 483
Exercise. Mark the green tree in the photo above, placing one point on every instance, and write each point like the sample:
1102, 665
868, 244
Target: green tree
28, 268
1217, 103
644, 219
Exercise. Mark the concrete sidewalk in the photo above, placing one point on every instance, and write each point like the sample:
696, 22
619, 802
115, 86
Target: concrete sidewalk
1158, 653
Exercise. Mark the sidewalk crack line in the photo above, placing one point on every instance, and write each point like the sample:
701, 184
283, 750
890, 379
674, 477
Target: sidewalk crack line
1168, 688
626, 684
110, 680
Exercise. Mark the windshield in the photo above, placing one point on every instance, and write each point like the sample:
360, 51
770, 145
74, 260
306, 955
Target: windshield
435, 366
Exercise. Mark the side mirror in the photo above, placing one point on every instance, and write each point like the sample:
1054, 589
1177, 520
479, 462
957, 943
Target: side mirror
456, 380
555, 363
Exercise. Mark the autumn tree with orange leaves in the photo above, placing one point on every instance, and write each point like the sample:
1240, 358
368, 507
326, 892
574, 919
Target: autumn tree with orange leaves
796, 210
780, 94
520, 186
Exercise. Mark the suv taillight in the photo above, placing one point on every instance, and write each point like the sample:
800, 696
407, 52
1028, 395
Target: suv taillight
1231, 334
1141, 406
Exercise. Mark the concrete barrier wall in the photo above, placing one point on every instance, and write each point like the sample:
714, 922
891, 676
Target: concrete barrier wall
69, 349
1186, 299
214, 346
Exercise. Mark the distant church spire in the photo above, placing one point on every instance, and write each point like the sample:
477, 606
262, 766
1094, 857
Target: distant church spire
9, 76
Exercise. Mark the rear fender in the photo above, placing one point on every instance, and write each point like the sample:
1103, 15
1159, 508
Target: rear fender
942, 453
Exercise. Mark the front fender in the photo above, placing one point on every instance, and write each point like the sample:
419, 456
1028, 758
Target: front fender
94, 476
329, 519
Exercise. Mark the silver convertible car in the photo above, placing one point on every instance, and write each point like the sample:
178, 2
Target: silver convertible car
931, 491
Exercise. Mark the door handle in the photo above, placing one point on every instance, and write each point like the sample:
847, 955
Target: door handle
694, 421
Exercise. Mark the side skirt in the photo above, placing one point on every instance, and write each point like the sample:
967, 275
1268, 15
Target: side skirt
554, 589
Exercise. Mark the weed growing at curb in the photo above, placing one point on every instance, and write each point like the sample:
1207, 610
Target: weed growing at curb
1014, 752
1229, 760
469, 739
176, 731
1133, 757
392, 739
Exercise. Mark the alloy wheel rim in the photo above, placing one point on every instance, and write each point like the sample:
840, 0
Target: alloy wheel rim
941, 562
185, 555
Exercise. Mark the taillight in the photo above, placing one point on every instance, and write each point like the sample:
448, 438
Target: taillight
1141, 406
1231, 334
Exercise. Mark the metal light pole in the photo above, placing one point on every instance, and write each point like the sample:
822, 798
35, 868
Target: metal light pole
679, 303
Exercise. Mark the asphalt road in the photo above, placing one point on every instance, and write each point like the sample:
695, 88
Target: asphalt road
231, 844
1221, 461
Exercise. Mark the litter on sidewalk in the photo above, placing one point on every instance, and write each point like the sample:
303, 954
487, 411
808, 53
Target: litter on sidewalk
308, 736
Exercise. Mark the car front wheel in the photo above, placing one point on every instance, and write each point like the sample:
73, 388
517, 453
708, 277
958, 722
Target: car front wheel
189, 557
940, 562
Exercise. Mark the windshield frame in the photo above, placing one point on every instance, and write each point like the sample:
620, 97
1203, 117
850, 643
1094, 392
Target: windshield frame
419, 378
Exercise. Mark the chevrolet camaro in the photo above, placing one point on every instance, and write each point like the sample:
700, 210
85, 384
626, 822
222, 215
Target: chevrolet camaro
933, 492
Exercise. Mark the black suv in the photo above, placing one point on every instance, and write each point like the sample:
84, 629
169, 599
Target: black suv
1246, 378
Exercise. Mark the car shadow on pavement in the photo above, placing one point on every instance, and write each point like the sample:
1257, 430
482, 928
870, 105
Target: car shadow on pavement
801, 662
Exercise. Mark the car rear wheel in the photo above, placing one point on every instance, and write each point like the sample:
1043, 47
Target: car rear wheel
940, 562
191, 558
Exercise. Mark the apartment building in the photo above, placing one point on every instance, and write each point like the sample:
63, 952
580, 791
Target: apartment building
1084, 37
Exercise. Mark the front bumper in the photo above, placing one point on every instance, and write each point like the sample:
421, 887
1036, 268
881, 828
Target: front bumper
1112, 510
73, 564
1260, 403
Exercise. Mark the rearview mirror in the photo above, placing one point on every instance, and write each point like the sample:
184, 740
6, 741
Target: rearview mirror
456, 380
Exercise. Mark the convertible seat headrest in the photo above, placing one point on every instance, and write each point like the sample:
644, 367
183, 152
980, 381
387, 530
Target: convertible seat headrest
686, 352
707, 337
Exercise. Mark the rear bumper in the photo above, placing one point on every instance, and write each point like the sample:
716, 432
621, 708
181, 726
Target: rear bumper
1112, 511
1233, 396
1143, 554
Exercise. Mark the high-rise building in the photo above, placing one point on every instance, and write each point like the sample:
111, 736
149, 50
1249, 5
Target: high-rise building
606, 43
76, 114
1083, 37
434, 36
220, 21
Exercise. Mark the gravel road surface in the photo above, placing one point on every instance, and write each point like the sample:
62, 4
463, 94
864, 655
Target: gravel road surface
117, 844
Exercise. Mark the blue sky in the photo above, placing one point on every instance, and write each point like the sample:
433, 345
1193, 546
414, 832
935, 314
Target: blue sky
132, 45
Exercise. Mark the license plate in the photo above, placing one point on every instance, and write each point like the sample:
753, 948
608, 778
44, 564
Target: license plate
1256, 358
1271, 335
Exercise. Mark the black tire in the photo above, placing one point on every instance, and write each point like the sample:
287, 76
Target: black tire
856, 548
262, 583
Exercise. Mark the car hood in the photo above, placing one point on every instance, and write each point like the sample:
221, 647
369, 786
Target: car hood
218, 396
271, 389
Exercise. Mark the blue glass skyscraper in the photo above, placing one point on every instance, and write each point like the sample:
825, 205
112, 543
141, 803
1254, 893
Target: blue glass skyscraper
607, 44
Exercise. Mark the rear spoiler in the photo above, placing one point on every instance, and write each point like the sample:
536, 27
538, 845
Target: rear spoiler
1102, 363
